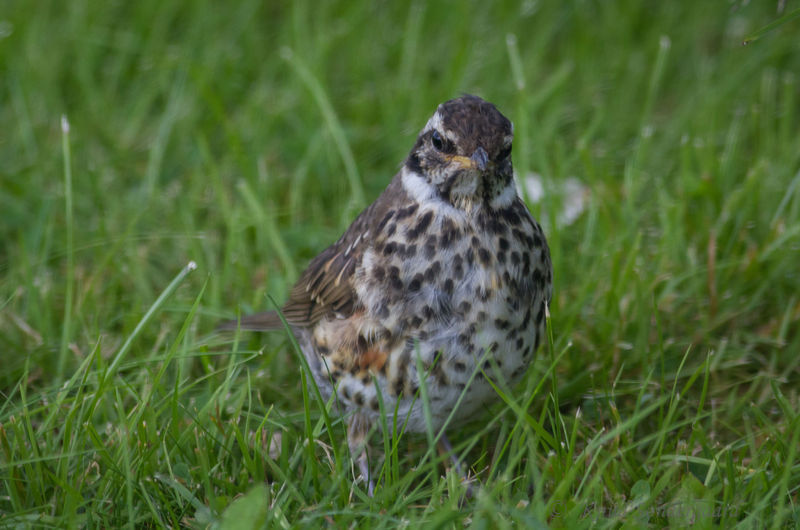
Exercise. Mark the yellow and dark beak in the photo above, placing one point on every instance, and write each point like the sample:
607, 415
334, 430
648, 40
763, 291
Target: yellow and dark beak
479, 160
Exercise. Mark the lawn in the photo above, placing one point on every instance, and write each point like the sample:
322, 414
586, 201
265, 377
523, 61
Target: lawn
167, 165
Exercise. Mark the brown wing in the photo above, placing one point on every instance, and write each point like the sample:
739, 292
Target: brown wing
325, 287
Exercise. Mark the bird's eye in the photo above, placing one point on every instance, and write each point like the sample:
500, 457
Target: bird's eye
442, 145
436, 140
504, 153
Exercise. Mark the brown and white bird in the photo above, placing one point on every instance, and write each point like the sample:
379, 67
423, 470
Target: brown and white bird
446, 271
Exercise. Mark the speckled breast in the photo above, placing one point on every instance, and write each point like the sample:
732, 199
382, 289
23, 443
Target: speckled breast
446, 298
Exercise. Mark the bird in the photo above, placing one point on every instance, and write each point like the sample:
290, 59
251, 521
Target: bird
445, 281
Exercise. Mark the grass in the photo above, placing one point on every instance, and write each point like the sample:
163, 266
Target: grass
245, 138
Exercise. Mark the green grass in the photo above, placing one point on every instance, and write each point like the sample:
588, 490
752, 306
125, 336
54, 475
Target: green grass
246, 137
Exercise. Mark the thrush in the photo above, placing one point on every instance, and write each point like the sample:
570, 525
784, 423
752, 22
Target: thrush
443, 281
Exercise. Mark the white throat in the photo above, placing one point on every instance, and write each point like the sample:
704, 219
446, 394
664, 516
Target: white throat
416, 186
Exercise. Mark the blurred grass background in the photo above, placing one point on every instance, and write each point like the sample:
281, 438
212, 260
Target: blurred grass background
246, 137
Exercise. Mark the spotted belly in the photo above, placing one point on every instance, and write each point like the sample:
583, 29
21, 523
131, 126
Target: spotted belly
443, 306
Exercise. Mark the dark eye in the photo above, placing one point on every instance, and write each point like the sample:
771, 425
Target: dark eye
436, 140
505, 153
442, 145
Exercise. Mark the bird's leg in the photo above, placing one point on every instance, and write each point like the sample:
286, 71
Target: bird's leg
363, 466
357, 430
446, 447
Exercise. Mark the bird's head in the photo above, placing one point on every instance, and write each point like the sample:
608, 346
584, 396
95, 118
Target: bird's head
463, 155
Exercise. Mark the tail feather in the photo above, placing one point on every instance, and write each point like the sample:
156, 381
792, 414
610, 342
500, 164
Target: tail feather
266, 321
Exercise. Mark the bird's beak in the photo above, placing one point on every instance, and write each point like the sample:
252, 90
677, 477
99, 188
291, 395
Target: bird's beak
480, 157
478, 160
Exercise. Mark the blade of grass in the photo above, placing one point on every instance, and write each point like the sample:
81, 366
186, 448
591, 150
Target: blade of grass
772, 26
66, 325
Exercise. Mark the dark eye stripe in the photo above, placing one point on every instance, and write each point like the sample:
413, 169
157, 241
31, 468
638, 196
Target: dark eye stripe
504, 153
